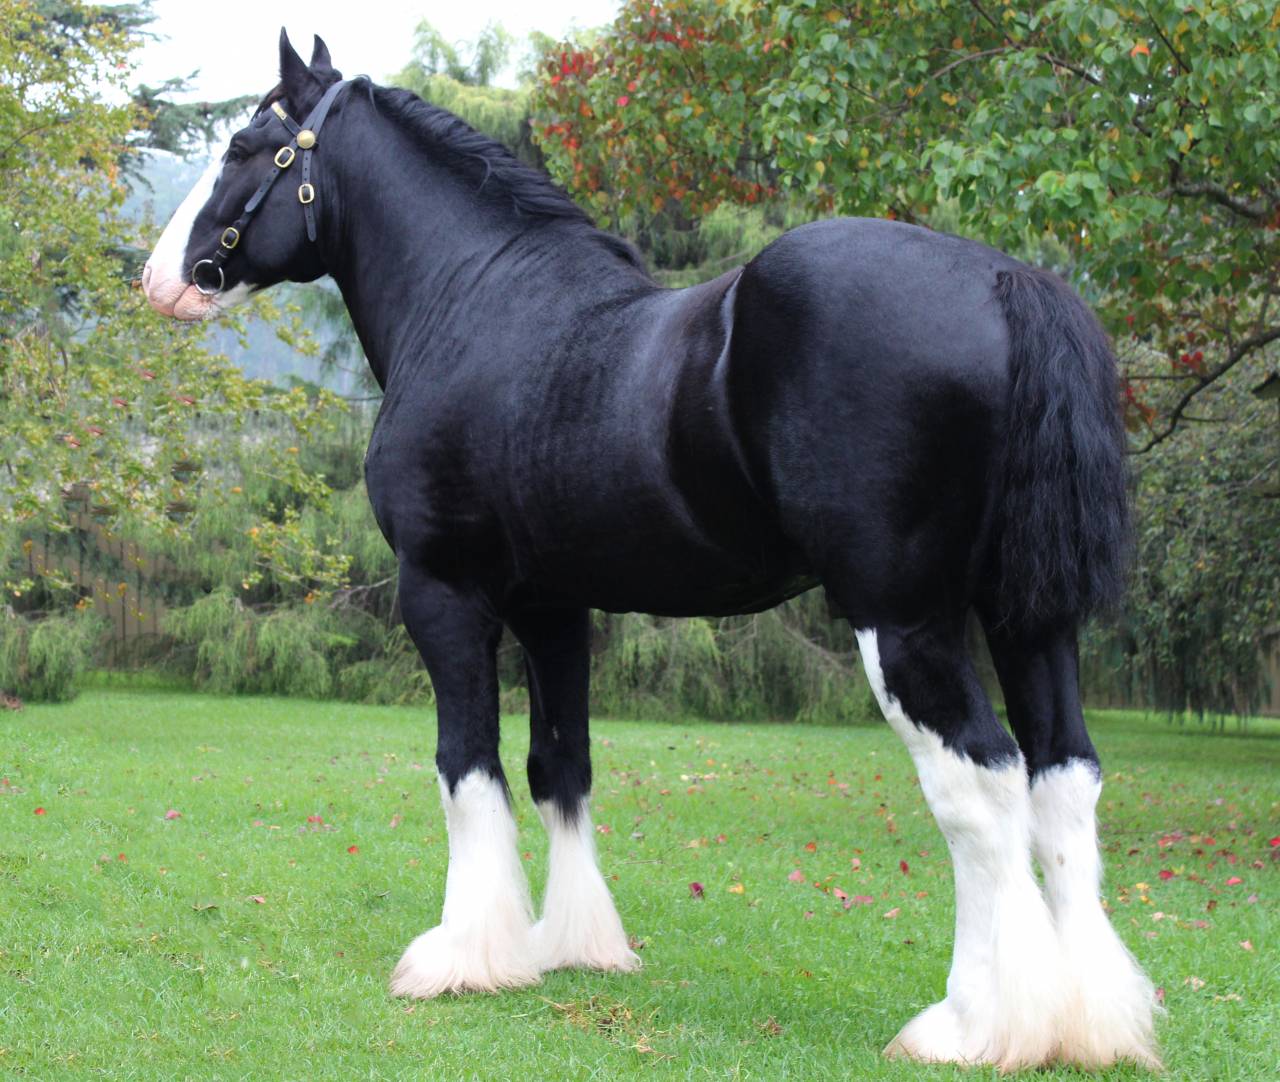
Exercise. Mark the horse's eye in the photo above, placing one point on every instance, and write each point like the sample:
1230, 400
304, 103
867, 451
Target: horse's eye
234, 153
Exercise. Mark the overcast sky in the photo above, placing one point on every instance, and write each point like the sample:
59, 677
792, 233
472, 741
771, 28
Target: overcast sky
233, 43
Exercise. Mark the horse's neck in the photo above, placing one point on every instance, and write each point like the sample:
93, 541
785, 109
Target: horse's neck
417, 255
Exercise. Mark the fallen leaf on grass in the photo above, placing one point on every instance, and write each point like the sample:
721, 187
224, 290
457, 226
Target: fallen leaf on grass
1166, 874
904, 867
862, 899
696, 890
811, 847
892, 913
353, 849
855, 864
257, 898
797, 876
173, 813
40, 811
736, 888
1246, 944
396, 820
769, 1027
1195, 982
1234, 881
202, 907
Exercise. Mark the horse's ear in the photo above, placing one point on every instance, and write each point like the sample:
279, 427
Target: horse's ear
321, 64
295, 76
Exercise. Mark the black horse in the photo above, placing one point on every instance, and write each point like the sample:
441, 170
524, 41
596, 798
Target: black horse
919, 424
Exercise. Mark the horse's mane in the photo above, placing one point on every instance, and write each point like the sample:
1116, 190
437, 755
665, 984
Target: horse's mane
488, 163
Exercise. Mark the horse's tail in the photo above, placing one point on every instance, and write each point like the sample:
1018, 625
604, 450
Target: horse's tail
1061, 528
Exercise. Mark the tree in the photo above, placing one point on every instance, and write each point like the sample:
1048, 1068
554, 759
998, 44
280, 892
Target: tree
100, 400
434, 55
1141, 137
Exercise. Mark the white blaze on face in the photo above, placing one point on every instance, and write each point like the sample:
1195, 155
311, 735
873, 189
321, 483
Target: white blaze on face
166, 278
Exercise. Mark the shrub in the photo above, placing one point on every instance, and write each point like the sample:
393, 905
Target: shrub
42, 660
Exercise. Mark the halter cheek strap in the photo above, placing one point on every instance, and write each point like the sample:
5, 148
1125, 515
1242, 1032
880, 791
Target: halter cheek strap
304, 137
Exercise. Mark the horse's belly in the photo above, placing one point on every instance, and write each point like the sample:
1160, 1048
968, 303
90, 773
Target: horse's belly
669, 579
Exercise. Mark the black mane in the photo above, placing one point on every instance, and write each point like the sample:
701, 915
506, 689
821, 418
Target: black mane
488, 163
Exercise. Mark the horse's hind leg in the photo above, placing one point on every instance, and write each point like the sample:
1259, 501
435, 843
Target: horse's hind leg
482, 942
579, 925
1111, 1003
1004, 998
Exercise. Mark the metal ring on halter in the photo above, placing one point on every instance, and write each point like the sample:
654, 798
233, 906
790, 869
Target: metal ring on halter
195, 281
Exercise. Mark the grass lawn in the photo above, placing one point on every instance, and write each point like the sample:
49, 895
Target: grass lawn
219, 888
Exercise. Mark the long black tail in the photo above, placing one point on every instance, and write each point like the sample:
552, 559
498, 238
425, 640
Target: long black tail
1062, 523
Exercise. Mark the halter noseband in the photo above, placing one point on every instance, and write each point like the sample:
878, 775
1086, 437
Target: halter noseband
304, 137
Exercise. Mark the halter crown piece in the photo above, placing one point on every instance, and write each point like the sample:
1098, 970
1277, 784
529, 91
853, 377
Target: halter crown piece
304, 137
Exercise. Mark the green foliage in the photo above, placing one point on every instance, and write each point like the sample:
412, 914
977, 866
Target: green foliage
43, 660
101, 400
793, 663
1206, 579
309, 649
1141, 138
657, 114
433, 54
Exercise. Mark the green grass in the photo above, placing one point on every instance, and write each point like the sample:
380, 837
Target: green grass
132, 946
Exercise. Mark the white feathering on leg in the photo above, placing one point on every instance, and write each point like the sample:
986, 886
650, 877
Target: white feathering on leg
1004, 994
482, 943
1111, 1005
579, 926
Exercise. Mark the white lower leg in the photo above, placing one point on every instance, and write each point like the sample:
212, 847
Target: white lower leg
1111, 1003
1004, 993
482, 942
579, 926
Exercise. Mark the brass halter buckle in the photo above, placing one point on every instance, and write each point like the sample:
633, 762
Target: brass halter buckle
230, 237
306, 194
287, 161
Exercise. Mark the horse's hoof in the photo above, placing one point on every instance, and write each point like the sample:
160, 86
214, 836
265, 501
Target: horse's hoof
562, 948
441, 961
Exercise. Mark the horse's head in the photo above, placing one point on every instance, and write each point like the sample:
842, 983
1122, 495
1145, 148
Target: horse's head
203, 262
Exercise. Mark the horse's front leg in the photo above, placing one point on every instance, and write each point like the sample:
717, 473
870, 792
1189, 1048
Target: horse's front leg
482, 942
579, 926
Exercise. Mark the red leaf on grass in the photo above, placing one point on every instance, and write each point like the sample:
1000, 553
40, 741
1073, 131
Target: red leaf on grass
315, 818
173, 813
842, 897
40, 811
862, 899
1275, 842
1234, 881
353, 849
811, 847
696, 890
1166, 874
1246, 944
855, 864
122, 858
258, 898
892, 913
797, 876
904, 867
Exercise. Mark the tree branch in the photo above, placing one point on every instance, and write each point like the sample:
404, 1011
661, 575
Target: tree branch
1238, 352
1257, 211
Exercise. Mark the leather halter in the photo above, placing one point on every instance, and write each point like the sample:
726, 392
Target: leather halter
304, 138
